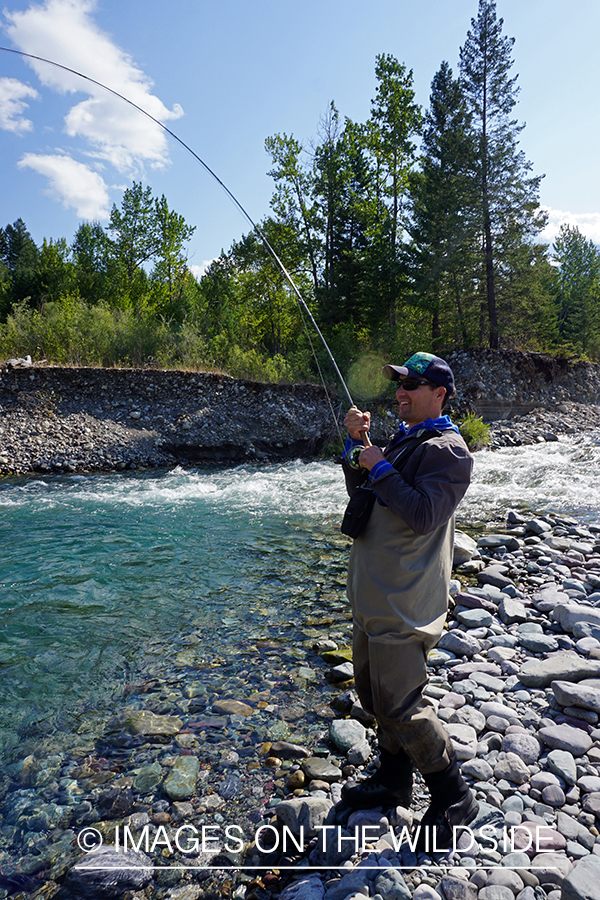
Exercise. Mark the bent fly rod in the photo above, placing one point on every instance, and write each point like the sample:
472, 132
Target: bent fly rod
255, 228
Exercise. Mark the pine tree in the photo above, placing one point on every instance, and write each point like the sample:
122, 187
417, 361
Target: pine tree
508, 196
91, 251
444, 228
20, 255
578, 290
343, 185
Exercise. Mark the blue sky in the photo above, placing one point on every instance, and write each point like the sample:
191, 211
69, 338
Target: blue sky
225, 74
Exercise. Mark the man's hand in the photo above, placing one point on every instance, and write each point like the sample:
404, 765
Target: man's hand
369, 457
357, 423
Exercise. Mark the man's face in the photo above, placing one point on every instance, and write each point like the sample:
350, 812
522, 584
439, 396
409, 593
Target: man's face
423, 403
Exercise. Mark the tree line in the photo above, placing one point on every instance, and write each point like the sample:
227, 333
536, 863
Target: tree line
416, 229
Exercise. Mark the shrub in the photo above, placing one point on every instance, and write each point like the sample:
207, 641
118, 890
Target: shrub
475, 432
256, 366
73, 333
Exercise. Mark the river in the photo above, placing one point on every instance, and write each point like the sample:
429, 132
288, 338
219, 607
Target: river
105, 577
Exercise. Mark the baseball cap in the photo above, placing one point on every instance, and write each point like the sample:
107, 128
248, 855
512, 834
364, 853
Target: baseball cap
424, 365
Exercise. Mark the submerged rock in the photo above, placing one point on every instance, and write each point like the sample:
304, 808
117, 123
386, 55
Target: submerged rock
233, 707
108, 872
146, 723
515, 712
181, 781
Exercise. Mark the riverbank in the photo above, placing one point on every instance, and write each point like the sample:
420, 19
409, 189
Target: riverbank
71, 420
201, 762
57, 420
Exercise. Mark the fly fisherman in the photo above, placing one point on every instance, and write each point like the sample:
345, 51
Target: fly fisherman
398, 580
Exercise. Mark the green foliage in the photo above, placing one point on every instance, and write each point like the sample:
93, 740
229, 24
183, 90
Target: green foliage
173, 287
91, 259
393, 252
71, 332
256, 366
474, 431
135, 229
55, 271
507, 204
444, 228
20, 257
578, 290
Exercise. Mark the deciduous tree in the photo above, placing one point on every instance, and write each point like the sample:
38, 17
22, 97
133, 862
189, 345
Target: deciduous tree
92, 258
170, 278
56, 272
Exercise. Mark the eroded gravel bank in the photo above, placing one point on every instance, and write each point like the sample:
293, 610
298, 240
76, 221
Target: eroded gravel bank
55, 420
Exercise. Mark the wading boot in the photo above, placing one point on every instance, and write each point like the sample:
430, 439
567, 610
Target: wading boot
452, 804
391, 785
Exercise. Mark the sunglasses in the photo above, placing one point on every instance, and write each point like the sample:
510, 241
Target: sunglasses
411, 384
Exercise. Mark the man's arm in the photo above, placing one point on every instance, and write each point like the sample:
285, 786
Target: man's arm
357, 423
440, 482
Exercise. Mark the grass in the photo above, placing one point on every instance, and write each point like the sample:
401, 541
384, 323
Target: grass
474, 431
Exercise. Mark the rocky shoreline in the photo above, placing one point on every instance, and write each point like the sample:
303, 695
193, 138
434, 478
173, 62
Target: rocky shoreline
200, 771
66, 420
184, 759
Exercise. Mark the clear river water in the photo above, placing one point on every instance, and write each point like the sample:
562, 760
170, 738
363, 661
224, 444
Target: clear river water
103, 577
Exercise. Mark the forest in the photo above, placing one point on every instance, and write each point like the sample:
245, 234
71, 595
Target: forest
414, 230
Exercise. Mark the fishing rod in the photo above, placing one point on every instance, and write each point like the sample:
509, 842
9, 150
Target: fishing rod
256, 229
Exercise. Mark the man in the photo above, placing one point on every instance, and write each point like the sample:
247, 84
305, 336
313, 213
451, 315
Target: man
398, 579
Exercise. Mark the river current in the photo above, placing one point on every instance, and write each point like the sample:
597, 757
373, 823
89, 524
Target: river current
104, 577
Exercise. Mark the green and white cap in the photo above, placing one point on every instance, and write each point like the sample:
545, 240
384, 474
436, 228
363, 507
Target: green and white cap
424, 365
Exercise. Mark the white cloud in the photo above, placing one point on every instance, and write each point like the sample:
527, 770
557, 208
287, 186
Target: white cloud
199, 271
72, 183
12, 103
63, 30
588, 224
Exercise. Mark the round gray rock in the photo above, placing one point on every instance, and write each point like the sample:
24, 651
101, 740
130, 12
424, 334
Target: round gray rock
321, 769
512, 768
345, 733
495, 892
524, 745
108, 872
468, 715
475, 618
562, 763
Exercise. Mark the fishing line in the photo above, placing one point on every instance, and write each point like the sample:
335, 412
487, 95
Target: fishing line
334, 415
255, 228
